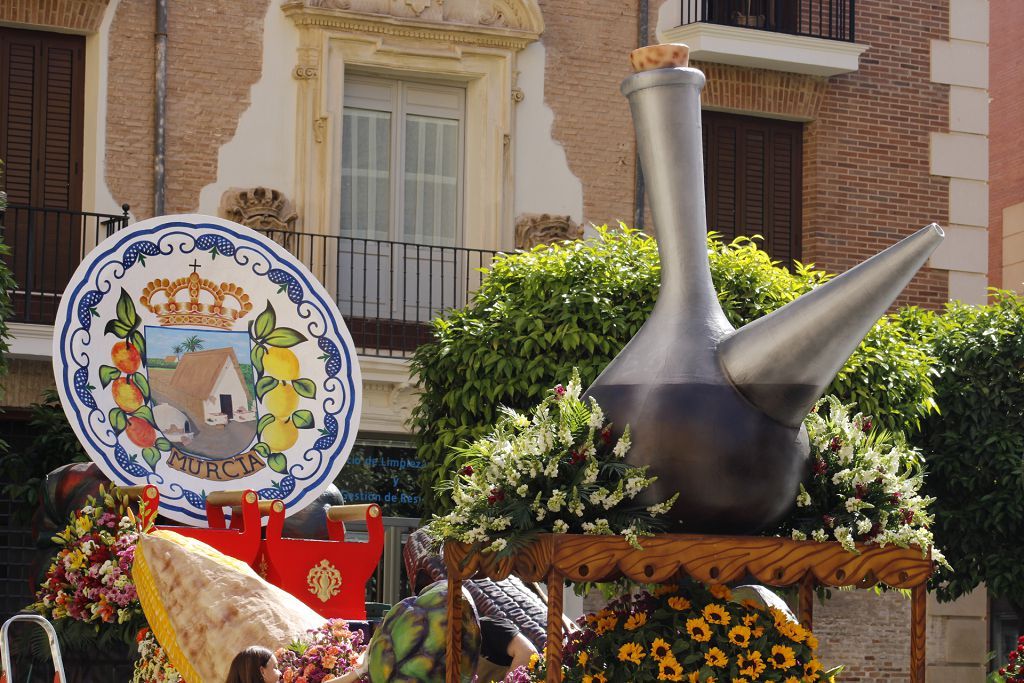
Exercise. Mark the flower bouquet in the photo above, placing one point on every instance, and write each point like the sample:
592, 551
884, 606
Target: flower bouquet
686, 632
320, 654
557, 469
865, 485
88, 589
153, 665
1013, 672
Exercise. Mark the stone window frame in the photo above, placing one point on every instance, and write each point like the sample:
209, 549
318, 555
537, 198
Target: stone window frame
469, 43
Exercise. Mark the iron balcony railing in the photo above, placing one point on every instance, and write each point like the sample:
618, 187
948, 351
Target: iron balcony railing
829, 19
387, 292
45, 247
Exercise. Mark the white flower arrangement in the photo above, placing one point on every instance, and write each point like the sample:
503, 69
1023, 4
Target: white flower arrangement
556, 470
864, 487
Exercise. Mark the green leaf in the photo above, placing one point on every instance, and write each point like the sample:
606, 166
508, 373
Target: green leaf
262, 448
142, 383
118, 420
262, 424
117, 328
163, 444
265, 385
302, 419
108, 374
278, 462
284, 337
265, 322
126, 310
304, 388
151, 456
139, 342
145, 413
256, 355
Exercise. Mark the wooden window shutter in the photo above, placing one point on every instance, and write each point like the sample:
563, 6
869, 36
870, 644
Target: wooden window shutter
752, 174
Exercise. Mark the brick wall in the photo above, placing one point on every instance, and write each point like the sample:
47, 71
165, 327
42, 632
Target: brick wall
214, 54
1006, 128
866, 157
77, 15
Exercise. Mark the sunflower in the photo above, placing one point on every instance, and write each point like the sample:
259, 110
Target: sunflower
715, 657
791, 679
750, 619
812, 642
582, 658
716, 614
698, 630
631, 652
600, 678
670, 670
811, 670
782, 657
666, 589
739, 636
751, 664
636, 620
605, 624
660, 649
534, 660
720, 591
679, 604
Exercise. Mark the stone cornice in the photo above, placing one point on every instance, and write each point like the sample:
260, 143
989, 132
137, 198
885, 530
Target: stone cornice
510, 36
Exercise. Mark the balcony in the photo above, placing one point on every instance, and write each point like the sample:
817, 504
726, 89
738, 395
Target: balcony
386, 291
814, 37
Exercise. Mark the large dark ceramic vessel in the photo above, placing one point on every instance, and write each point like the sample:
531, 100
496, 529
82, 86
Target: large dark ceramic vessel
717, 413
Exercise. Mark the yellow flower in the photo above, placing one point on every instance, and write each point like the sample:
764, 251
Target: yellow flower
739, 680
582, 658
739, 635
600, 678
665, 589
782, 657
757, 632
751, 664
693, 677
631, 652
720, 591
698, 630
660, 649
715, 657
679, 604
669, 669
812, 642
588, 679
716, 614
750, 619
750, 604
791, 679
605, 624
636, 620
534, 659
811, 670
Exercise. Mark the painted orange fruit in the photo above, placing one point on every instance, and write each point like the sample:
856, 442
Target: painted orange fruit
140, 432
126, 357
127, 396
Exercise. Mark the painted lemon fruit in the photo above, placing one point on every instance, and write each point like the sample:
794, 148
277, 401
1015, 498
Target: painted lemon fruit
281, 401
126, 357
281, 364
140, 432
126, 395
280, 435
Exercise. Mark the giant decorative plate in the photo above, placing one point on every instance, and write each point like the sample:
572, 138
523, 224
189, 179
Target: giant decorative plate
193, 353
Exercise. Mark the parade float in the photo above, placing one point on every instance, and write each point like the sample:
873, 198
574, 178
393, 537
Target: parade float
212, 380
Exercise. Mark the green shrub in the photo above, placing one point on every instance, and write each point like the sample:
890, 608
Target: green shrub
540, 313
975, 447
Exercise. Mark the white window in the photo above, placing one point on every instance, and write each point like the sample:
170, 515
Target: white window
401, 198
402, 148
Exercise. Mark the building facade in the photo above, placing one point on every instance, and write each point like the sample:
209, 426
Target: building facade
409, 140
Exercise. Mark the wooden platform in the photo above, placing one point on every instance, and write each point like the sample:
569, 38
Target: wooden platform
776, 562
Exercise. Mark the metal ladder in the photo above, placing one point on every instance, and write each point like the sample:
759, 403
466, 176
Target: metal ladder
51, 635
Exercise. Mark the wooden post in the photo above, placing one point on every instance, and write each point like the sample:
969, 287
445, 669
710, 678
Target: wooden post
918, 632
806, 601
453, 655
556, 584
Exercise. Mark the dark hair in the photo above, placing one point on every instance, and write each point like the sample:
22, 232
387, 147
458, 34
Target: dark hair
245, 667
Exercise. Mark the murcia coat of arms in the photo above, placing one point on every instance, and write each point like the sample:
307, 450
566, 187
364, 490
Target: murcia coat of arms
195, 354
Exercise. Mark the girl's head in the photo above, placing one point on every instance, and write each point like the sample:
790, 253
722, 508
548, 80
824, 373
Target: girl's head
254, 665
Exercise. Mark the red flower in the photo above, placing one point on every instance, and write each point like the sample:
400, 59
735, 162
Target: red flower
606, 435
141, 634
835, 444
559, 390
866, 427
466, 471
820, 467
860, 491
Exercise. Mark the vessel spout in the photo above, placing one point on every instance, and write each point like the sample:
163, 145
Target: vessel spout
784, 361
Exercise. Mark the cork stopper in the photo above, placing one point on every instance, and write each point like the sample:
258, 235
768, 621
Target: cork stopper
664, 56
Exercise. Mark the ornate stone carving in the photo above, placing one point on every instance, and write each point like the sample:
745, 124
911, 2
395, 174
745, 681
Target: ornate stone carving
259, 208
418, 5
305, 72
534, 229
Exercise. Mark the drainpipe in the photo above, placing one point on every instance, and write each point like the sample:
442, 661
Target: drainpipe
638, 190
159, 144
